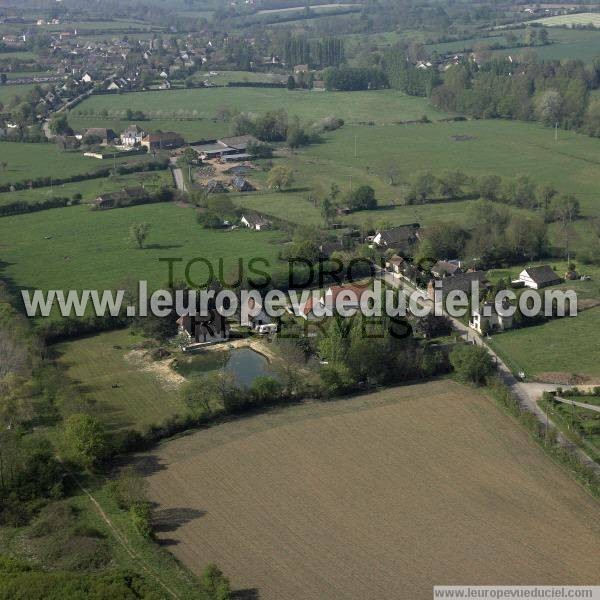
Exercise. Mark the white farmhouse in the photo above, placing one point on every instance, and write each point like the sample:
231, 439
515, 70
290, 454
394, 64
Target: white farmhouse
255, 222
538, 277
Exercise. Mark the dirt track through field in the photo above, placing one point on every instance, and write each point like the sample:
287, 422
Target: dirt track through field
376, 497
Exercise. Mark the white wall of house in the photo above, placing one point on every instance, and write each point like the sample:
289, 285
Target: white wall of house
493, 322
527, 281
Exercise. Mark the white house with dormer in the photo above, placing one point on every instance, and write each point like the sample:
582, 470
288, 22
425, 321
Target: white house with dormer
487, 319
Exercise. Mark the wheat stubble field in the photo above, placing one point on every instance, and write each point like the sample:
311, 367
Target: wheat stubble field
376, 497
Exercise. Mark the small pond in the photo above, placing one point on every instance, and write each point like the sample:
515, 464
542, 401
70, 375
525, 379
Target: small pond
239, 170
243, 363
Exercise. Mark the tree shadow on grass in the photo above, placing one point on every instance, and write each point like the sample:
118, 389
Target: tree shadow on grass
162, 246
294, 190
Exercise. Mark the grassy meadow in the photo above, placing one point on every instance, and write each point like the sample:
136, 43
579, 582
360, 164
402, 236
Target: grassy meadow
381, 106
560, 347
507, 148
18, 54
192, 129
573, 44
582, 18
90, 250
567, 44
462, 45
225, 77
29, 161
95, 363
318, 8
8, 93
91, 188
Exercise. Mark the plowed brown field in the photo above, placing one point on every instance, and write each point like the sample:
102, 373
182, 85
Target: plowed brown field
374, 498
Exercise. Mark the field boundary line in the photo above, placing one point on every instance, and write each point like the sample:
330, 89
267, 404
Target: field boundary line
120, 537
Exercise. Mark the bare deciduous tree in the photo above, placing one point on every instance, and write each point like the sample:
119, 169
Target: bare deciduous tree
13, 354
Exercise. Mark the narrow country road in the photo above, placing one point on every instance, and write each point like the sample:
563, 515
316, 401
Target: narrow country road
178, 176
528, 394
579, 404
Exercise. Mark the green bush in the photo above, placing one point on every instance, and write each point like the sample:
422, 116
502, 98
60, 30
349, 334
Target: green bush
141, 517
472, 363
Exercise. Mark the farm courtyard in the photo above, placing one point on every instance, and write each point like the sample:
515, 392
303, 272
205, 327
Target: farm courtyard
373, 496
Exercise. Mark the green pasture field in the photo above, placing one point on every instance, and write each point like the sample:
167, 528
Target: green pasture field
28, 161
20, 55
573, 44
290, 206
315, 19
90, 249
312, 178
95, 363
562, 346
317, 8
507, 148
576, 44
91, 188
8, 93
381, 106
195, 14
297, 208
380, 39
224, 77
570, 20
462, 45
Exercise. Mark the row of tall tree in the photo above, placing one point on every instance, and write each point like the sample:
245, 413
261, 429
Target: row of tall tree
320, 53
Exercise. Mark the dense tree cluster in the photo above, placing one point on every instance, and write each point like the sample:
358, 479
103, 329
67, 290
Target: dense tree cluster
403, 75
491, 234
358, 350
552, 92
354, 78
